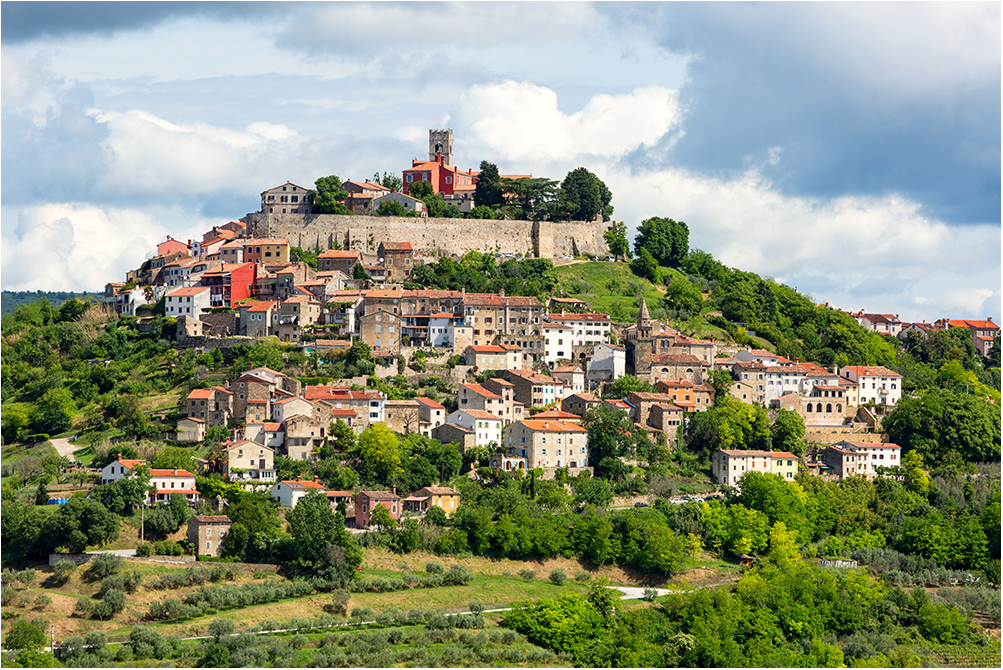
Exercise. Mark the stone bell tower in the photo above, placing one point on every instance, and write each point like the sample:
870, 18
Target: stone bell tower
441, 141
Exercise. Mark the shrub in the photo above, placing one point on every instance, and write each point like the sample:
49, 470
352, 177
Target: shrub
8, 595
104, 565
476, 606
650, 594
339, 602
527, 574
84, 606
558, 577
583, 576
62, 570
42, 601
458, 574
434, 568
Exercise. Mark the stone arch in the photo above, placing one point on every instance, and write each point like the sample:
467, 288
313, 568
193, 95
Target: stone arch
828, 407
818, 408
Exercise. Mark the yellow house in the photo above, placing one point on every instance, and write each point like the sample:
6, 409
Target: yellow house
444, 497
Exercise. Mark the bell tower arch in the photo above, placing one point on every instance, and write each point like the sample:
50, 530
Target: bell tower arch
441, 141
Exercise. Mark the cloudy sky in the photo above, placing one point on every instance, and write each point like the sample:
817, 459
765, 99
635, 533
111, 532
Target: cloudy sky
849, 149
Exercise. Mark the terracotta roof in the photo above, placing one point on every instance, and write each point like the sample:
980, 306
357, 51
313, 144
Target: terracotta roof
489, 349
191, 418
205, 518
589, 316
558, 415
681, 359
130, 462
308, 484
158, 472
440, 490
501, 300
481, 414
758, 454
481, 391
261, 306
871, 371
397, 246
188, 290
428, 402
337, 253
381, 495
552, 426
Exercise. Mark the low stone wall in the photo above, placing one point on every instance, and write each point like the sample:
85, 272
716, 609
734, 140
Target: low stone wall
79, 559
176, 560
834, 435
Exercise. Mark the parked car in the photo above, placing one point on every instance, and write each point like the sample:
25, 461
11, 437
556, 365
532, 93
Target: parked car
641, 504
678, 501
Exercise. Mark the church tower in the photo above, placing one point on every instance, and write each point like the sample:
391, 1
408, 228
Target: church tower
441, 142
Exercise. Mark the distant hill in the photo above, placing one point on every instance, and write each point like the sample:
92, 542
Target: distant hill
12, 299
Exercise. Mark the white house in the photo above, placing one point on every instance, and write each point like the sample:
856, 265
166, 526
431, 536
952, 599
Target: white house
486, 426
609, 363
167, 482
250, 463
119, 469
442, 329
880, 454
589, 328
573, 378
187, 301
290, 492
876, 384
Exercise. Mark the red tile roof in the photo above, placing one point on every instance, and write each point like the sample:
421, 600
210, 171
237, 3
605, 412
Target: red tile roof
552, 426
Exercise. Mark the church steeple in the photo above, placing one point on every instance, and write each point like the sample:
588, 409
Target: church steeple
643, 320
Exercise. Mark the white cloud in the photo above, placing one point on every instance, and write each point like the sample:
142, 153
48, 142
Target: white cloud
149, 155
880, 250
522, 121
76, 247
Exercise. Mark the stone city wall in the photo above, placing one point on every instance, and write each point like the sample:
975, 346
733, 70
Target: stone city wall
430, 236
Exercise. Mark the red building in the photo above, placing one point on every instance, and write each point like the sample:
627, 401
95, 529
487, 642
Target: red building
366, 502
231, 283
445, 179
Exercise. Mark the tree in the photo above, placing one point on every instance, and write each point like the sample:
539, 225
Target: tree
80, 523
616, 240
380, 452
390, 207
533, 197
788, 431
359, 273
730, 424
420, 189
320, 536
24, 634
938, 421
916, 478
327, 196
54, 412
169, 458
389, 180
610, 432
628, 384
666, 239
683, 296
645, 266
720, 380
481, 212
488, 190
381, 517
584, 196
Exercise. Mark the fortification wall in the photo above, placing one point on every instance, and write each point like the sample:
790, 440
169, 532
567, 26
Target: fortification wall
544, 239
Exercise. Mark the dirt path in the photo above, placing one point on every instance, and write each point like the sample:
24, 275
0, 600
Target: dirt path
64, 447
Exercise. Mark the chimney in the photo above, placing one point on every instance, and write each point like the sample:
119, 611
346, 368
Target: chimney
393, 489
546, 425
175, 471
315, 479
502, 293
298, 478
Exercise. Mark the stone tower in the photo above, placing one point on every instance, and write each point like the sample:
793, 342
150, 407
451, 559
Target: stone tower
644, 345
441, 141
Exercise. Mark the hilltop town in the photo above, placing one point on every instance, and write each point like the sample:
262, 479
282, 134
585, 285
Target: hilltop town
377, 396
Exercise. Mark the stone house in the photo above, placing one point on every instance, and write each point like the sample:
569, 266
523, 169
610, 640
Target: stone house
259, 318
430, 412
496, 396
491, 357
397, 255
250, 464
579, 403
449, 433
214, 405
402, 416
303, 436
532, 443
206, 533
728, 465
336, 259
487, 427
191, 429
286, 199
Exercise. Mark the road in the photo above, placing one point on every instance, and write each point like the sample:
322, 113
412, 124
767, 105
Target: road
64, 447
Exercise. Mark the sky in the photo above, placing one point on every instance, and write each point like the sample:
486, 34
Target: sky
851, 150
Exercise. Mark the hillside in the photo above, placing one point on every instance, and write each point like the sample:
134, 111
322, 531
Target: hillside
11, 300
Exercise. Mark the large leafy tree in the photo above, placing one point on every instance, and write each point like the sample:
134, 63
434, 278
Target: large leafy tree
730, 424
328, 195
320, 535
532, 197
788, 431
380, 452
667, 240
488, 189
616, 240
584, 196
939, 421
683, 296
78, 524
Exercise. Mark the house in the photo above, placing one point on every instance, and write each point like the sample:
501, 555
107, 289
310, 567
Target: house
670, 367
410, 204
572, 376
191, 429
250, 464
402, 416
840, 462
171, 245
448, 433
119, 469
230, 283
492, 314
691, 397
608, 363
336, 259
258, 318
214, 405
588, 328
641, 403
496, 396
286, 408
361, 194
369, 405
491, 357
270, 434
397, 255
445, 498
579, 403
886, 324
983, 332
166, 482
649, 339
558, 415
286, 199
533, 389
290, 492
430, 412
875, 383
304, 435
879, 454
266, 250
366, 502
381, 328
295, 313
487, 427
532, 443
666, 417
728, 465
206, 533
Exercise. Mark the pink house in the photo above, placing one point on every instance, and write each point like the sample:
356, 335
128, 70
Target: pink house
366, 502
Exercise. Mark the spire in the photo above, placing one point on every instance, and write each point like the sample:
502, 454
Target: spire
643, 317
